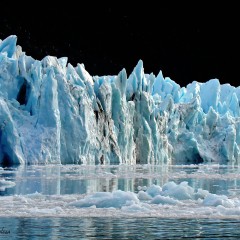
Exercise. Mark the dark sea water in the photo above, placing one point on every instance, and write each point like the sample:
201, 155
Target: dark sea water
116, 228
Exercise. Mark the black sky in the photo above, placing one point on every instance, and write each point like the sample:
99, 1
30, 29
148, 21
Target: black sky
187, 45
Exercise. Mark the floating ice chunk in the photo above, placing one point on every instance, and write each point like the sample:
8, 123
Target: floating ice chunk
116, 199
181, 192
201, 194
143, 196
154, 190
164, 200
216, 200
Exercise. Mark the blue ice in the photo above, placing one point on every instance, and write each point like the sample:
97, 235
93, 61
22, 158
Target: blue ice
53, 112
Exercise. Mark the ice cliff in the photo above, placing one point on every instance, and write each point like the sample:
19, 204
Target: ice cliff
52, 112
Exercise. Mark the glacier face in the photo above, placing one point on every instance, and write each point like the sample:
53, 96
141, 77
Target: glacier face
52, 112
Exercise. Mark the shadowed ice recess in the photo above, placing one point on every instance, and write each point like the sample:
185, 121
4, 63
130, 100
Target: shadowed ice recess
52, 112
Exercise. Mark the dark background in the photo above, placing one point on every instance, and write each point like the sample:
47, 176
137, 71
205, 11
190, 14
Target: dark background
187, 44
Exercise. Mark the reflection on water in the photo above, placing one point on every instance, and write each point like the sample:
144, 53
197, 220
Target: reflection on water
115, 228
72, 179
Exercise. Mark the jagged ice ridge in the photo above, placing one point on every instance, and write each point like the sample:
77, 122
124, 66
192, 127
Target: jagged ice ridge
52, 112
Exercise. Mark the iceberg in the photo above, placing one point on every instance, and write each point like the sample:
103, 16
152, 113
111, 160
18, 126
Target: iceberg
53, 112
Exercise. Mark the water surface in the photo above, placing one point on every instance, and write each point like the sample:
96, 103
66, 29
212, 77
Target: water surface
36, 203
115, 228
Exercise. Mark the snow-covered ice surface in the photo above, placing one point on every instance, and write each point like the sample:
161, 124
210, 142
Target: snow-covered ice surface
183, 191
52, 112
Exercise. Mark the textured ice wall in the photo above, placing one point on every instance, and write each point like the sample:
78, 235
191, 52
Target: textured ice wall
52, 112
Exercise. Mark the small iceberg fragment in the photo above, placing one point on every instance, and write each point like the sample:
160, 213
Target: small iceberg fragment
116, 199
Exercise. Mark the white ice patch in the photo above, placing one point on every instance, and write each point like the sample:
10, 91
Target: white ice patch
6, 184
181, 192
164, 200
136, 208
154, 190
216, 200
116, 199
144, 196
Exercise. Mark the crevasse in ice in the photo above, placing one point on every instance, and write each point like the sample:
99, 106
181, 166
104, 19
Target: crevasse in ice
52, 112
